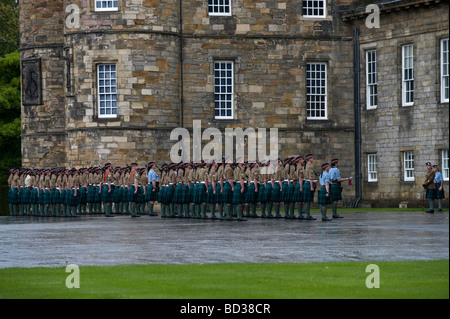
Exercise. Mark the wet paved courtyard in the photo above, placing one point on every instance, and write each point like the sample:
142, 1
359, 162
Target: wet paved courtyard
97, 240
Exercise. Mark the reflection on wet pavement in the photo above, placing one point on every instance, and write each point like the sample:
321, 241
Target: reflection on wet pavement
96, 240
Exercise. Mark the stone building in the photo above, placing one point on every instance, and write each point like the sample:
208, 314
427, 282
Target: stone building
108, 81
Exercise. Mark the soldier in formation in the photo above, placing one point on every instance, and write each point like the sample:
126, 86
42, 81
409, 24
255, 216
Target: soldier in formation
228, 190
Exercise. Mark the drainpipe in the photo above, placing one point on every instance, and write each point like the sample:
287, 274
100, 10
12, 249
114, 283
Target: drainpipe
357, 118
181, 67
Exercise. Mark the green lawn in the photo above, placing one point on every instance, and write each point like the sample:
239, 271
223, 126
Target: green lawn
413, 279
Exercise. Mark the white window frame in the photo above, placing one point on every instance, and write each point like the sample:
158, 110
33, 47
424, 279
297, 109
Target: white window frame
214, 7
444, 71
316, 94
371, 80
309, 5
372, 173
107, 90
223, 89
445, 169
408, 75
106, 8
408, 166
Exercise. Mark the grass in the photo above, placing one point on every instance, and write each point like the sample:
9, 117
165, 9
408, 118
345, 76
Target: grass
405, 280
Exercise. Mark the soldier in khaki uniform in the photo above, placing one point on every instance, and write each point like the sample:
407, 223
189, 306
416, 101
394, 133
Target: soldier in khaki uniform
211, 183
228, 188
200, 193
298, 180
239, 177
107, 189
163, 190
309, 185
133, 189
430, 187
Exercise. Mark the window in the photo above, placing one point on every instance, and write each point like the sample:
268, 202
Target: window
314, 8
106, 5
408, 166
371, 79
445, 164
107, 90
444, 70
223, 89
408, 75
372, 175
219, 7
316, 91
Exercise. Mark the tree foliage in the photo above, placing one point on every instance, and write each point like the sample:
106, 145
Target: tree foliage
9, 26
10, 106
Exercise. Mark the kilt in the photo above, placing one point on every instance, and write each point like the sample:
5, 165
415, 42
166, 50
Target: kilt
238, 197
161, 194
151, 195
177, 194
268, 192
210, 196
250, 194
47, 197
66, 199
199, 193
55, 196
439, 194
219, 197
297, 195
21, 198
62, 196
15, 196
26, 196
90, 197
117, 194
227, 194
335, 192
140, 195
83, 194
275, 195
34, 196
308, 195
168, 196
124, 194
185, 199
41, 196
322, 199
9, 197
107, 196
288, 192
431, 194
261, 194
73, 200
97, 195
